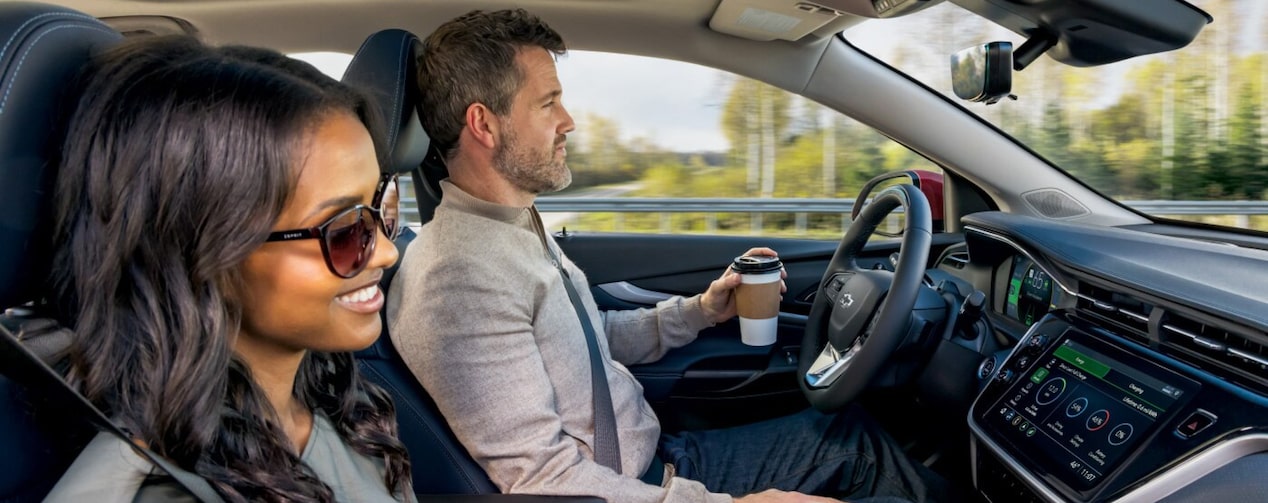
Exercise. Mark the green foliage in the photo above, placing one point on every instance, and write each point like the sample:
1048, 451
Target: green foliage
1185, 125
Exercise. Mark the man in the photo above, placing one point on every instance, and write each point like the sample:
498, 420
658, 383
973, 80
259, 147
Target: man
481, 316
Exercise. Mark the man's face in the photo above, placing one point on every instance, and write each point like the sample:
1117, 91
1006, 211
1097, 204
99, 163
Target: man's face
531, 153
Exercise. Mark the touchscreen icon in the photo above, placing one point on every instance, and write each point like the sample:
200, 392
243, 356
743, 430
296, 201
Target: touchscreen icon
1098, 420
1120, 434
1050, 391
1076, 407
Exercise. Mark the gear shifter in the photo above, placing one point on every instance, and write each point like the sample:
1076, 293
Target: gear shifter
970, 312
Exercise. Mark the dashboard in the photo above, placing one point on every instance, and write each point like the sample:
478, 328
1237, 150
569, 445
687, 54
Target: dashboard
1137, 367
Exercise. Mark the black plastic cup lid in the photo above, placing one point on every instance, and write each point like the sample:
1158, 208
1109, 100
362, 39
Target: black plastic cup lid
756, 264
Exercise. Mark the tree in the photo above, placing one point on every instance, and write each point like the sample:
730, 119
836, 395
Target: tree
754, 117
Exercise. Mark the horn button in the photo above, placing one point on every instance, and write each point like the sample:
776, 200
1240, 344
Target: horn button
853, 307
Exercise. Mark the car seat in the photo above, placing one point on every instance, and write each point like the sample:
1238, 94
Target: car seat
43, 48
386, 68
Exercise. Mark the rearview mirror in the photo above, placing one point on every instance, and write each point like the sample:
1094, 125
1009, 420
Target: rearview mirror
983, 72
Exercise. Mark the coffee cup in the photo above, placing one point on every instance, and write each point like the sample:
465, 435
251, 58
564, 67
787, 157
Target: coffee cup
757, 298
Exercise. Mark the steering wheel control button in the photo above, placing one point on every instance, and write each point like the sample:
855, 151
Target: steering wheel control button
1121, 433
1098, 420
1050, 391
1076, 407
1196, 422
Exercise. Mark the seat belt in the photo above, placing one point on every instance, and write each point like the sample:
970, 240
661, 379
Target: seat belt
607, 447
20, 364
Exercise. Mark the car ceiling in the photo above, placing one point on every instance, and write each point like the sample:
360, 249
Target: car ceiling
658, 27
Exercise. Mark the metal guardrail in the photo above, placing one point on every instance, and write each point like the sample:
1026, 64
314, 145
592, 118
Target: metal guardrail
1162, 207
558, 204
801, 208
551, 204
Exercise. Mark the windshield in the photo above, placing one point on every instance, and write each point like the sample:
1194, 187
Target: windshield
1181, 134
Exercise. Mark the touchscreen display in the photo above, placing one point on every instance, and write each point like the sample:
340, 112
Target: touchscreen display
1029, 292
1081, 412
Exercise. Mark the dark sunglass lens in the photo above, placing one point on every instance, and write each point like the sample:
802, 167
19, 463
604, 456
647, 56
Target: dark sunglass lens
350, 242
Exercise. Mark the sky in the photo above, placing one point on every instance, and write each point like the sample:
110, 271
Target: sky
682, 116
678, 105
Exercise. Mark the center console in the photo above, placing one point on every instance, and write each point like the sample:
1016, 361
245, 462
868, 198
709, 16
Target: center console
1071, 412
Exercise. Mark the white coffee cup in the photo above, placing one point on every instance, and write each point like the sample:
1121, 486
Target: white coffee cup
757, 298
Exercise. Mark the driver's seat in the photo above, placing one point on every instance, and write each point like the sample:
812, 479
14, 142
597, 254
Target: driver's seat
386, 67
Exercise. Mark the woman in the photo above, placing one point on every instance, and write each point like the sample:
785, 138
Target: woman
219, 245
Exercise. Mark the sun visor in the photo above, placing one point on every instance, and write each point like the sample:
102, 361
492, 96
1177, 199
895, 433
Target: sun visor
771, 20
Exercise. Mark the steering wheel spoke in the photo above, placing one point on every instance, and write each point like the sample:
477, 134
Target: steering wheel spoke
831, 364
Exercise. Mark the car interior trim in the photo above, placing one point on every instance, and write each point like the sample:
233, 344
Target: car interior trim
626, 291
1198, 466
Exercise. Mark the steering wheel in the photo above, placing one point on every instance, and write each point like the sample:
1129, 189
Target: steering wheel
860, 315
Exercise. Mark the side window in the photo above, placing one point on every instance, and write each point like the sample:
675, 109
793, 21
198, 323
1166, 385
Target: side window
768, 162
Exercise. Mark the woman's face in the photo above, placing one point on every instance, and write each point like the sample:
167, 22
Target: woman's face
291, 299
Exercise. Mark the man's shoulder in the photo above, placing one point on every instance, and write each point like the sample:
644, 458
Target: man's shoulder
450, 255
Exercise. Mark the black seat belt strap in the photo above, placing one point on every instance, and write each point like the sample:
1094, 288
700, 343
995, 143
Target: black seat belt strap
21, 365
607, 446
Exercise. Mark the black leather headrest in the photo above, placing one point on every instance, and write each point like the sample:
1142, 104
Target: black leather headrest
43, 48
386, 67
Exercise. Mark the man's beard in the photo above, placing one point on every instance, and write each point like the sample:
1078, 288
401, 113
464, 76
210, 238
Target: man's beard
530, 170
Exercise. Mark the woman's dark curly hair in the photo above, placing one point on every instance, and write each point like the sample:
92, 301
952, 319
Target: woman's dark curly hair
179, 158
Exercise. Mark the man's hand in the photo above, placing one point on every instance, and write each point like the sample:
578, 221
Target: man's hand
777, 496
718, 301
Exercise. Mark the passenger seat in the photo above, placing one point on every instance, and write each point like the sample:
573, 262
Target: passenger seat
45, 47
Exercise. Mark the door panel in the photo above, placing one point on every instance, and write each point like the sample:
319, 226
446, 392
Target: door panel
717, 380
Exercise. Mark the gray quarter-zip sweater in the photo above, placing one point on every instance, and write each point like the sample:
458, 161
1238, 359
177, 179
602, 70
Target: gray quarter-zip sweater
481, 317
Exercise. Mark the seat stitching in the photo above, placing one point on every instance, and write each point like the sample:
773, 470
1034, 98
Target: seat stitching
18, 69
17, 32
396, 91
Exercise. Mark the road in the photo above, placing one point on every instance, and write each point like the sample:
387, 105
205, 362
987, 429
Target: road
553, 221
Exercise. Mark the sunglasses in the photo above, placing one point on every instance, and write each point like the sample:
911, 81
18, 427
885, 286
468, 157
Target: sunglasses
348, 238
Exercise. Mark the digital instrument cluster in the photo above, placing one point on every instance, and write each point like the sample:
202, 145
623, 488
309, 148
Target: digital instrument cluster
1029, 294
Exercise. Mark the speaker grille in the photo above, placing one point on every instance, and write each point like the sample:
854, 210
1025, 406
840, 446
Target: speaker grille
1053, 203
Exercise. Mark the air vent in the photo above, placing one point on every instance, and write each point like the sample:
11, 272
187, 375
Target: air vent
955, 260
1123, 311
1240, 356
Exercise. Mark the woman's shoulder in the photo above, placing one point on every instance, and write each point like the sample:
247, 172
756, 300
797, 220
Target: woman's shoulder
106, 471
351, 475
